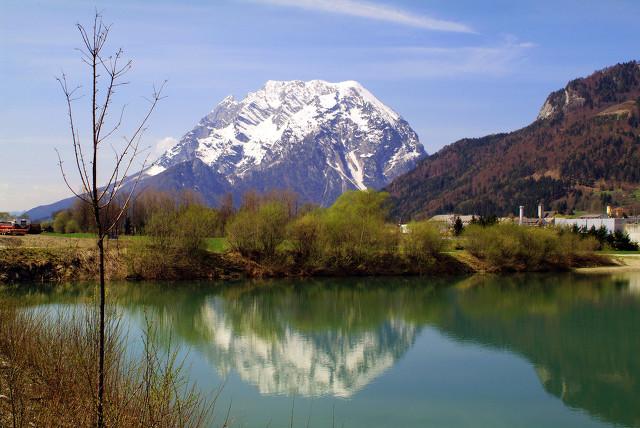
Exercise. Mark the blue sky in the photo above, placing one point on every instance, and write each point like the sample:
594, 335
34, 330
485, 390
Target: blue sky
452, 69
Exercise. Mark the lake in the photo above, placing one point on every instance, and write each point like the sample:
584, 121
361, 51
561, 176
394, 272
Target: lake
558, 350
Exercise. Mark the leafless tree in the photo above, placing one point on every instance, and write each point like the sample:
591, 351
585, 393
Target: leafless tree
107, 76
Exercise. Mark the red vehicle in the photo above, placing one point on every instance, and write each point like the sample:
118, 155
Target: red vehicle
13, 228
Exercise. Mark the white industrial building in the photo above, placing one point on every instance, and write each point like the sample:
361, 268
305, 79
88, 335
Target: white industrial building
611, 224
629, 225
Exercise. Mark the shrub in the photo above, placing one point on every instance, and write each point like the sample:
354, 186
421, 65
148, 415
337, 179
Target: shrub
175, 241
193, 224
242, 233
422, 242
355, 227
458, 227
620, 240
514, 248
60, 221
272, 220
71, 227
305, 234
184, 228
257, 232
161, 229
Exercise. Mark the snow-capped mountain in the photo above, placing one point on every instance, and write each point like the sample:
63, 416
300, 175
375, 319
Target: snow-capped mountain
316, 138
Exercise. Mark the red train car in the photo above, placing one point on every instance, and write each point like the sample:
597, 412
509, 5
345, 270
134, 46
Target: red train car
13, 228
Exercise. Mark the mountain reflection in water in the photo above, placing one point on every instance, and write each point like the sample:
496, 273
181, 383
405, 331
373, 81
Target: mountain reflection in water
310, 364
333, 337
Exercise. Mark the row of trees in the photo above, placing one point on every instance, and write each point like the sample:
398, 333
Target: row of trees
617, 240
352, 231
266, 226
139, 213
273, 226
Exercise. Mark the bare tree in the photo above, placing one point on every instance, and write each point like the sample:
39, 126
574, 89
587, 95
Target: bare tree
107, 74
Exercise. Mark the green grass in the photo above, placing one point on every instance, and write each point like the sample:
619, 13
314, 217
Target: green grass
217, 245
576, 214
70, 235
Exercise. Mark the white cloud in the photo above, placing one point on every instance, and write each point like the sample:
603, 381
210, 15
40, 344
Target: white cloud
163, 145
364, 9
438, 62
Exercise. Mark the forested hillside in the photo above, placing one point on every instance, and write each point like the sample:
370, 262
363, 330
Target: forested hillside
581, 153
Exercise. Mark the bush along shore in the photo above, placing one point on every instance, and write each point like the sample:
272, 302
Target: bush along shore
271, 236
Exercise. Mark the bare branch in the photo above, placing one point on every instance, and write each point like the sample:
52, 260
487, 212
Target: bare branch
123, 209
131, 146
115, 127
114, 72
80, 164
66, 181
117, 184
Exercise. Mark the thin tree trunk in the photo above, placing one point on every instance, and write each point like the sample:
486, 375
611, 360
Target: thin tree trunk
90, 194
102, 344
96, 207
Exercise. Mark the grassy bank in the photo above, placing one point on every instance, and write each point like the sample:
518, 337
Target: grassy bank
59, 259
51, 264
215, 245
64, 263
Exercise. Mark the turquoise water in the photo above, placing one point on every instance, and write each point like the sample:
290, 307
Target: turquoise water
484, 351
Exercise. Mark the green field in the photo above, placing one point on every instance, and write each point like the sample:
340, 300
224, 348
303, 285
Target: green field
70, 235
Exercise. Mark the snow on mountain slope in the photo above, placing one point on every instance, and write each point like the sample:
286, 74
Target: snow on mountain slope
316, 138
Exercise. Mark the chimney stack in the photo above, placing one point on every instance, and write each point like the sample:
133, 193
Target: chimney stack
540, 211
521, 215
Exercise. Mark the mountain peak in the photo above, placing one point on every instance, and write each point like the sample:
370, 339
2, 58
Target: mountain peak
350, 137
275, 92
228, 100
595, 92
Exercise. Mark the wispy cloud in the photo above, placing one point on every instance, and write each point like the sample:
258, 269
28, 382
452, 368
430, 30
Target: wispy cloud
441, 62
391, 63
369, 10
163, 145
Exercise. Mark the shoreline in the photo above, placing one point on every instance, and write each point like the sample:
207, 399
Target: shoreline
57, 265
624, 263
46, 259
